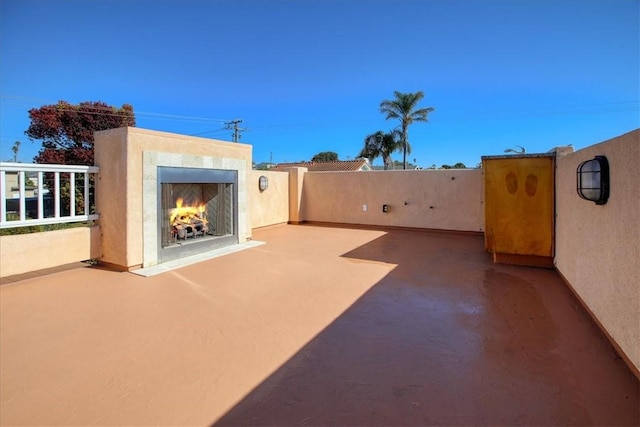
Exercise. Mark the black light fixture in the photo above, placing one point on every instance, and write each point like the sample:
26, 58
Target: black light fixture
263, 183
593, 180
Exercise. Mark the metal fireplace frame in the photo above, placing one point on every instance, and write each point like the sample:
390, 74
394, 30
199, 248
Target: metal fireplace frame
182, 175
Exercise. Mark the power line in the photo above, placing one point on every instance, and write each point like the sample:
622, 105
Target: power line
451, 116
23, 101
214, 131
27, 101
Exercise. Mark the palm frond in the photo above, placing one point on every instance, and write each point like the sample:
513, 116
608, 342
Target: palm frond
422, 114
381, 144
521, 150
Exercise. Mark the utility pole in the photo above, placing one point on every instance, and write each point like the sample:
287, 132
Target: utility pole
233, 125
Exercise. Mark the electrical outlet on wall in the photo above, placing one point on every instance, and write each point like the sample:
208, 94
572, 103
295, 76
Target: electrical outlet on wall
364, 208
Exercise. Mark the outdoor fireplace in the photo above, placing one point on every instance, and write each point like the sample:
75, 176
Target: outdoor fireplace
149, 171
197, 210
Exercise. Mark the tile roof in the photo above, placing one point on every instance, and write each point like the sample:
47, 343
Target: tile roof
338, 165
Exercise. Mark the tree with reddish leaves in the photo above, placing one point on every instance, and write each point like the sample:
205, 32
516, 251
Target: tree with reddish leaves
66, 130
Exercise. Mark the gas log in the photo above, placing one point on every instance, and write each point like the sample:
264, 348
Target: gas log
189, 227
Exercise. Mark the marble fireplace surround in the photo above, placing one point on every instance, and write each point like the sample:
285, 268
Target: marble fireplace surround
151, 160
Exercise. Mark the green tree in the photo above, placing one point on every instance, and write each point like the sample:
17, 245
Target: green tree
458, 165
325, 156
399, 165
381, 144
403, 108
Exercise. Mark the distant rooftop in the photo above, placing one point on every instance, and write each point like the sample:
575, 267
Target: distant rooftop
338, 165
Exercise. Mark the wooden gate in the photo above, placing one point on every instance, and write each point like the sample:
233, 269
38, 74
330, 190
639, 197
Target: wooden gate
519, 208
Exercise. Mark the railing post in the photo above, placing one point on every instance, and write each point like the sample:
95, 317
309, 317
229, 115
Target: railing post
40, 195
72, 194
3, 199
86, 193
56, 189
23, 205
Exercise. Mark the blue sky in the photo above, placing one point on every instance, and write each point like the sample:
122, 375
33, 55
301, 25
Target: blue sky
308, 76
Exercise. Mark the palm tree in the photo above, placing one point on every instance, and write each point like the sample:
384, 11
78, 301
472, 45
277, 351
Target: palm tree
381, 144
403, 107
15, 149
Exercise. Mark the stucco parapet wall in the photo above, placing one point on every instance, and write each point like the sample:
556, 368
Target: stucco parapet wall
407, 171
296, 182
25, 253
521, 156
270, 206
448, 199
598, 246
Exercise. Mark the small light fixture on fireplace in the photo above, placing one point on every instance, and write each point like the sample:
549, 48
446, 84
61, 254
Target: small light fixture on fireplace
263, 183
593, 180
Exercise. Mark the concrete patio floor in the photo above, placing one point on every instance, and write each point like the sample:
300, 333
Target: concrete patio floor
319, 326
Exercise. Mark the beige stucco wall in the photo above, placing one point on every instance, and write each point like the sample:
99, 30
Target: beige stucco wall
37, 251
436, 199
598, 247
271, 206
296, 183
120, 154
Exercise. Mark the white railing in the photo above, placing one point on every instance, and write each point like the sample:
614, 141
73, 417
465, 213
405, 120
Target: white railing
13, 210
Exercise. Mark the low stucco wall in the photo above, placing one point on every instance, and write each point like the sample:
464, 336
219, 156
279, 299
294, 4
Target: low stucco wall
436, 199
25, 253
271, 206
598, 247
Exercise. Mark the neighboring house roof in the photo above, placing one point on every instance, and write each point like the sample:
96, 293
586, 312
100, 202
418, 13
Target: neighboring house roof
338, 165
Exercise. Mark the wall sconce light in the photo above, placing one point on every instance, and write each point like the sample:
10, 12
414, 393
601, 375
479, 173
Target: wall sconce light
593, 180
263, 183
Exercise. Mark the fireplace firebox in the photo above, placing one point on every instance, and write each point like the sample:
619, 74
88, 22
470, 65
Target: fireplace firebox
197, 211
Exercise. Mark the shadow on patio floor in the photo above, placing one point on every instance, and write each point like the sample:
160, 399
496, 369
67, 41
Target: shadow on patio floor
449, 338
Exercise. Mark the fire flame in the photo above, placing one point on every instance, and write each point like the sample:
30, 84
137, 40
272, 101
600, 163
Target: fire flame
185, 214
